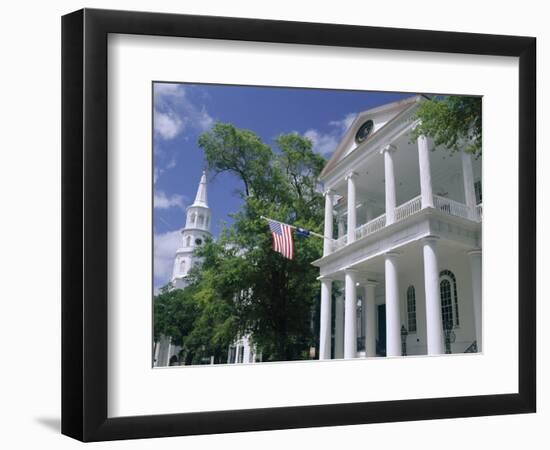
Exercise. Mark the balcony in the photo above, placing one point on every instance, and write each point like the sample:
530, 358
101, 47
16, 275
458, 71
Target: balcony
408, 209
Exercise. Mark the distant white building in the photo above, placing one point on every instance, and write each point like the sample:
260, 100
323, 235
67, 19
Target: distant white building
407, 254
194, 234
196, 231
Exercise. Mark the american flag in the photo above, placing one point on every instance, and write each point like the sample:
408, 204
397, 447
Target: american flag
282, 238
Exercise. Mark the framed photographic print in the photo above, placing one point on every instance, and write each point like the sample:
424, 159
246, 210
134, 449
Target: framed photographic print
274, 224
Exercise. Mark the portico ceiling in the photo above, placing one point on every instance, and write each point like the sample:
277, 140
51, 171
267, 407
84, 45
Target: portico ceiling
446, 170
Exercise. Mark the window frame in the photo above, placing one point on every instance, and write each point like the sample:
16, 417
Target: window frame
449, 275
411, 289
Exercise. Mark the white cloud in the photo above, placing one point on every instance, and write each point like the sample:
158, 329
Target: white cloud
205, 120
175, 111
162, 201
168, 89
325, 143
159, 171
165, 246
167, 125
344, 124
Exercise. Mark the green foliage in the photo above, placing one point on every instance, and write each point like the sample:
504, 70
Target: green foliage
242, 285
452, 121
228, 149
202, 317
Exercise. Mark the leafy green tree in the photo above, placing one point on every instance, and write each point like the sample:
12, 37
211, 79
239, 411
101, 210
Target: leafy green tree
174, 314
277, 294
228, 149
242, 286
451, 121
217, 290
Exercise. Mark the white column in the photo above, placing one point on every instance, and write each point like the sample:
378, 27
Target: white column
246, 350
434, 324
475, 266
156, 355
341, 226
325, 320
370, 335
352, 212
339, 328
393, 315
389, 174
468, 177
327, 247
169, 351
363, 331
350, 331
426, 191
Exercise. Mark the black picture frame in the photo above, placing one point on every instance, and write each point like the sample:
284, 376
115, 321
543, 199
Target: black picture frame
84, 224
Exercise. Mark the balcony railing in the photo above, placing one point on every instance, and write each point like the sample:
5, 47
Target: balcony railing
339, 243
370, 227
479, 212
409, 209
452, 207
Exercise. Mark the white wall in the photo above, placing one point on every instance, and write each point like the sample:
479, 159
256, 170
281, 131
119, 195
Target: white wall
30, 187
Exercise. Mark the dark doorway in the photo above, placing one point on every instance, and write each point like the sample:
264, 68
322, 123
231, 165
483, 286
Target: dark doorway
381, 342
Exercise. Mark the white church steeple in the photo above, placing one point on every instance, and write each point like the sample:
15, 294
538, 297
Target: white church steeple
201, 199
196, 231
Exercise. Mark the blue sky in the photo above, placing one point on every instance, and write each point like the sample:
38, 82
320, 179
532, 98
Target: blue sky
183, 111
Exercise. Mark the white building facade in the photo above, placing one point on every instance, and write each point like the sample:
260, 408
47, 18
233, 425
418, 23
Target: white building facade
402, 275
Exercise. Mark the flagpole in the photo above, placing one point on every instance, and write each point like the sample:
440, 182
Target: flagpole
295, 228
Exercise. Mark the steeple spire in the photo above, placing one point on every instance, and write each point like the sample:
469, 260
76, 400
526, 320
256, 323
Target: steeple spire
201, 199
194, 234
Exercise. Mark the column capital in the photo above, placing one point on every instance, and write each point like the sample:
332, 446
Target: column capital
388, 148
350, 174
371, 283
328, 192
474, 252
325, 278
350, 270
431, 238
392, 254
422, 137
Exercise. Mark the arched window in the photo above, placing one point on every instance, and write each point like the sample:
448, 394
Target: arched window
182, 266
188, 241
411, 309
193, 218
201, 220
449, 298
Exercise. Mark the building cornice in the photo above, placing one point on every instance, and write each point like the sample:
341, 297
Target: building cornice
202, 230
388, 238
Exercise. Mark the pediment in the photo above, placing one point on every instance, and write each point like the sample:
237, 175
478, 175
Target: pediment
380, 117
